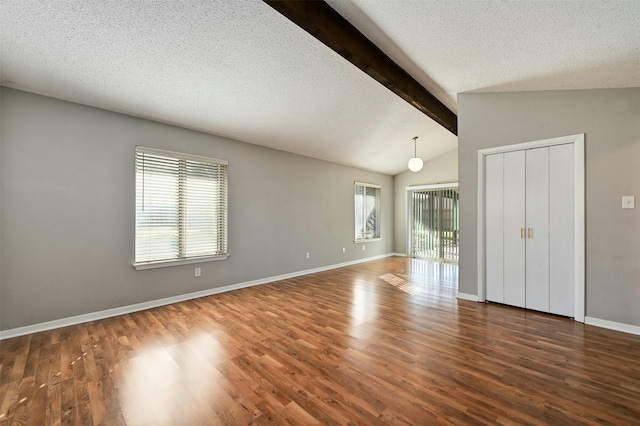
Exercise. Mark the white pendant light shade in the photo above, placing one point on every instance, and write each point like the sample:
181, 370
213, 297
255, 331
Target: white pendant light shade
415, 164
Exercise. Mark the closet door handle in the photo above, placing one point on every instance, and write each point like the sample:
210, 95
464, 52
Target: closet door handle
529, 233
521, 233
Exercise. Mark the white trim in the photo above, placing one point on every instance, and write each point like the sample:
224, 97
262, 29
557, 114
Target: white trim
579, 230
579, 208
370, 185
480, 227
466, 296
434, 186
408, 220
94, 316
367, 240
611, 325
409, 210
562, 140
180, 155
175, 262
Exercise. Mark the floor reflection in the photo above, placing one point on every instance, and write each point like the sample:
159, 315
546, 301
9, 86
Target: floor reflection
168, 385
364, 306
425, 277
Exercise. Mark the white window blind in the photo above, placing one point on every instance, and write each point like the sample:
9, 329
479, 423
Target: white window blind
181, 207
367, 211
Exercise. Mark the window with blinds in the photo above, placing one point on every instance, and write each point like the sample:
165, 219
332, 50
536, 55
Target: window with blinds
367, 211
434, 223
181, 208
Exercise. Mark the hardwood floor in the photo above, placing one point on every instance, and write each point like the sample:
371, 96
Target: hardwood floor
384, 342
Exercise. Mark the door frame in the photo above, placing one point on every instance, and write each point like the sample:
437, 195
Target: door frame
409, 211
579, 212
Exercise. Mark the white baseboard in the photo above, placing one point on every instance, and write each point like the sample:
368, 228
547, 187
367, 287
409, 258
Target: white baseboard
93, 316
611, 325
466, 296
78, 319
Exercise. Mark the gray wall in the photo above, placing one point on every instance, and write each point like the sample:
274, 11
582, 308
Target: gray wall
442, 169
67, 196
1, 133
610, 119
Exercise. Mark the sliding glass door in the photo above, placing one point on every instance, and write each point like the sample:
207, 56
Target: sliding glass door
433, 222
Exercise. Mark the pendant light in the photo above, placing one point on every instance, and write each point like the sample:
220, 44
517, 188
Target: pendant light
415, 164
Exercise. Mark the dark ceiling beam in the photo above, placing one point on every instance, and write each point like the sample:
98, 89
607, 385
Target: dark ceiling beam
328, 26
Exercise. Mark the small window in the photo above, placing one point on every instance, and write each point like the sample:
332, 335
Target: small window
367, 208
181, 208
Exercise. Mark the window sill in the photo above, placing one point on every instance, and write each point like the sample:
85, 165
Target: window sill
366, 240
177, 262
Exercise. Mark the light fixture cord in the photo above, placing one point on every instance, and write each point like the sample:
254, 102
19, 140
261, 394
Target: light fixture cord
415, 149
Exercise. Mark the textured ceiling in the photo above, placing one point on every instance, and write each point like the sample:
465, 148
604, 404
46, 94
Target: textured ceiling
452, 47
237, 68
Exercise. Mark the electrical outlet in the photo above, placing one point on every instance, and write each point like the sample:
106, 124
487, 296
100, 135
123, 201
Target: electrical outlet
363, 247
307, 255
198, 272
344, 250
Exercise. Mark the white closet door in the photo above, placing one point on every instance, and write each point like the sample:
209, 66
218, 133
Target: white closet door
537, 219
561, 207
494, 227
514, 224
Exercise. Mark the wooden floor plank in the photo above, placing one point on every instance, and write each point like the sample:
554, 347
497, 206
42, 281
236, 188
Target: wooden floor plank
380, 343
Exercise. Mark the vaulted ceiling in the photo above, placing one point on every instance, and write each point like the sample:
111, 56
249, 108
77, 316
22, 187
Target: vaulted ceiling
239, 69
